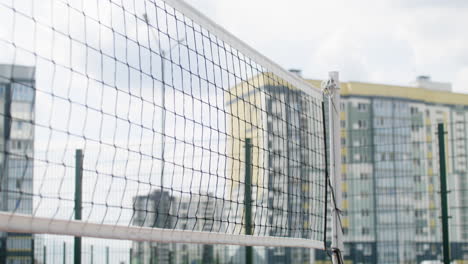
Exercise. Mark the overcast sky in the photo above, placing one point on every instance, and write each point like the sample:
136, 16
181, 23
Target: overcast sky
388, 41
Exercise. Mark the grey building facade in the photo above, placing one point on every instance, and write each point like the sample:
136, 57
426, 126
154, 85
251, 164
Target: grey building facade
390, 172
17, 103
153, 210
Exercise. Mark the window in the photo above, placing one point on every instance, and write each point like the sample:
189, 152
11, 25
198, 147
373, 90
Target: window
367, 250
363, 142
417, 196
365, 212
364, 176
16, 144
383, 156
417, 178
365, 231
413, 110
342, 106
362, 124
362, 107
380, 121
419, 213
357, 157
22, 92
343, 123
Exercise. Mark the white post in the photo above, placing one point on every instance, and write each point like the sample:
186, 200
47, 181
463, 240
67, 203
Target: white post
333, 87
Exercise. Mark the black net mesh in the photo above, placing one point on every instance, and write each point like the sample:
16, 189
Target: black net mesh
159, 109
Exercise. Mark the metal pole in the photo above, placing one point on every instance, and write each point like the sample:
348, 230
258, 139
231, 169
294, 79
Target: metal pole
44, 256
248, 197
107, 255
163, 80
131, 253
64, 261
92, 254
443, 194
78, 200
335, 164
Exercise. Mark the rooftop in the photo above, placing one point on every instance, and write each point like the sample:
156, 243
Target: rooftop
417, 93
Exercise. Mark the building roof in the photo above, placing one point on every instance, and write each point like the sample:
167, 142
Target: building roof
404, 92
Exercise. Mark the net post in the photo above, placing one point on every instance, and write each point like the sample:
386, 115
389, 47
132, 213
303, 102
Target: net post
443, 194
78, 201
248, 198
107, 255
64, 260
335, 164
92, 254
130, 256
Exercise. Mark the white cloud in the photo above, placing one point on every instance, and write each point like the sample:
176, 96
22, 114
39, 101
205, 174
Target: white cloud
378, 41
460, 83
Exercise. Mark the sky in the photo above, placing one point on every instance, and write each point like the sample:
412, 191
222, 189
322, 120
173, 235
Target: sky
385, 41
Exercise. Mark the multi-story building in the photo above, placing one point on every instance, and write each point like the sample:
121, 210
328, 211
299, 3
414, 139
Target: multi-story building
278, 120
17, 97
194, 212
390, 171
153, 210
200, 213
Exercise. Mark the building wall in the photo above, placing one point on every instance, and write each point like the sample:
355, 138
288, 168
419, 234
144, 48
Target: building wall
153, 210
17, 100
278, 119
391, 181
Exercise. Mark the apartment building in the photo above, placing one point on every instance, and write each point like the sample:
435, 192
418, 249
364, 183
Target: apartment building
284, 125
17, 101
390, 171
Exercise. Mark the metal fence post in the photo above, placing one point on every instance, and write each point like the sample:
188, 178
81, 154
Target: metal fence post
248, 197
107, 255
64, 261
131, 253
78, 200
92, 254
443, 194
